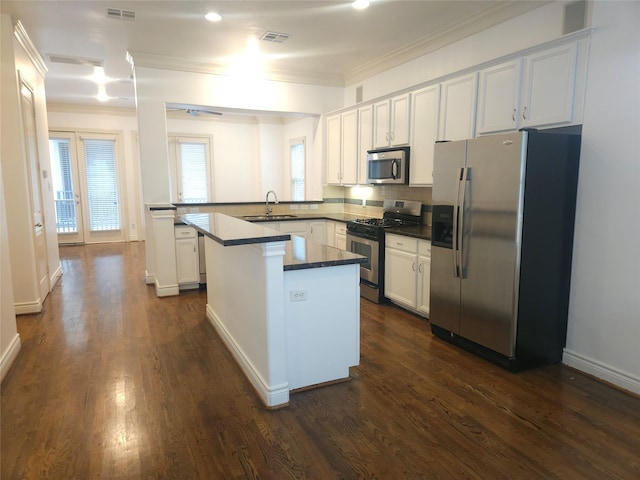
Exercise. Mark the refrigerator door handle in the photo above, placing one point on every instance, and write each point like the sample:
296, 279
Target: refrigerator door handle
460, 242
456, 215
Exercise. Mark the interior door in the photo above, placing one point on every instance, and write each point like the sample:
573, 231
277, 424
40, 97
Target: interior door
33, 166
490, 241
66, 186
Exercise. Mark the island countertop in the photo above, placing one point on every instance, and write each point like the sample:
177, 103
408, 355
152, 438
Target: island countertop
299, 252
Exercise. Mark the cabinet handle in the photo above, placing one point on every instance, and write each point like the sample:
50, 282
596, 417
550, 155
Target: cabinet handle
420, 267
513, 115
387, 136
413, 266
393, 135
524, 113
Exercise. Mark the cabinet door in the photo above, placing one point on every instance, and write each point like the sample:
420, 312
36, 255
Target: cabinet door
424, 284
334, 149
349, 148
400, 277
549, 87
365, 140
294, 227
424, 132
499, 98
330, 233
317, 232
381, 119
341, 236
457, 108
187, 264
399, 122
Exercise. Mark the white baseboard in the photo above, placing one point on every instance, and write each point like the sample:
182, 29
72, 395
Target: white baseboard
53, 279
602, 371
9, 356
271, 395
25, 308
167, 290
149, 278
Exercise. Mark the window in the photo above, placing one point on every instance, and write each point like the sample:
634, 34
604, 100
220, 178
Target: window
62, 179
297, 161
192, 166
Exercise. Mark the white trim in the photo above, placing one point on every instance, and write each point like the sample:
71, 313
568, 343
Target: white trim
9, 356
21, 35
602, 371
271, 395
167, 290
89, 110
25, 308
53, 279
149, 278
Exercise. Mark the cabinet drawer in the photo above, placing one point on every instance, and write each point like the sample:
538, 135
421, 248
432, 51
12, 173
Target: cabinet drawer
424, 248
400, 242
341, 228
185, 232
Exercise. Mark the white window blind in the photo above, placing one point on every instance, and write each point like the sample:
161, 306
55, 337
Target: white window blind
102, 186
193, 168
62, 179
297, 160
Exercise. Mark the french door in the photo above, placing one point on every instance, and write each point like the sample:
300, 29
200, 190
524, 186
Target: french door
87, 187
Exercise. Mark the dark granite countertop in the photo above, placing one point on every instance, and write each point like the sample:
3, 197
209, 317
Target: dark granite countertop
423, 232
230, 230
300, 253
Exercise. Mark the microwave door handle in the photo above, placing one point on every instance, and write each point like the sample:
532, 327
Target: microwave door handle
394, 168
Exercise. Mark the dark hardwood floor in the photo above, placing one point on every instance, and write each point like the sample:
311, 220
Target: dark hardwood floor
113, 382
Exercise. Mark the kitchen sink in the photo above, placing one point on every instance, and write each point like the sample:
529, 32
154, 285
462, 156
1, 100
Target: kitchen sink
261, 218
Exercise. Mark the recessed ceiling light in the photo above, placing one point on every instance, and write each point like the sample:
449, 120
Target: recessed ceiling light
213, 17
360, 4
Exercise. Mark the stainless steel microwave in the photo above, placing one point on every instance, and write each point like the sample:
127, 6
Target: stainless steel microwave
388, 165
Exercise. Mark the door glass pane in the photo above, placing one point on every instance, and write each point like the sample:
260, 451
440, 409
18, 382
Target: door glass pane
297, 155
102, 187
63, 185
194, 187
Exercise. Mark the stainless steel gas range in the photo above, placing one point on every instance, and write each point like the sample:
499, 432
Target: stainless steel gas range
365, 236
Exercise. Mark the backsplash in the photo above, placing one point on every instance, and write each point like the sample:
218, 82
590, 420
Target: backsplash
367, 200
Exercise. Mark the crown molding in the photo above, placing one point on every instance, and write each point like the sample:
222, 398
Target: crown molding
471, 25
165, 62
90, 109
21, 35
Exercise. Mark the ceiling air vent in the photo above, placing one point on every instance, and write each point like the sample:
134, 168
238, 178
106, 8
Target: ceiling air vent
91, 62
121, 14
275, 37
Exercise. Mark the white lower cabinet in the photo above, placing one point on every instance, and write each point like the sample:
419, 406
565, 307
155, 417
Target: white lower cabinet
341, 236
187, 261
317, 231
407, 270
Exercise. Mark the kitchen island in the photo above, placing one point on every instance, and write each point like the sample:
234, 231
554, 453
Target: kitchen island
287, 309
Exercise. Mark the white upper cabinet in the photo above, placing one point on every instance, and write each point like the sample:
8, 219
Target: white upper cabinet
365, 140
424, 132
350, 147
391, 122
342, 148
458, 108
499, 97
549, 87
334, 150
535, 91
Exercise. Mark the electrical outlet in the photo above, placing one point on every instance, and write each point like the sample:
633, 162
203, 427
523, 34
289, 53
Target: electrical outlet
304, 207
194, 210
297, 295
293, 207
314, 206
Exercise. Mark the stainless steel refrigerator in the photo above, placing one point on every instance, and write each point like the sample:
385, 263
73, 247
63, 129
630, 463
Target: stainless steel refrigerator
502, 236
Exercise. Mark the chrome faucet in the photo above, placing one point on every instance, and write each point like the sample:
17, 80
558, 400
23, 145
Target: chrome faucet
267, 209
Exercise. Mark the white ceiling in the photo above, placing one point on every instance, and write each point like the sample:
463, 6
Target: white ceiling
330, 43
